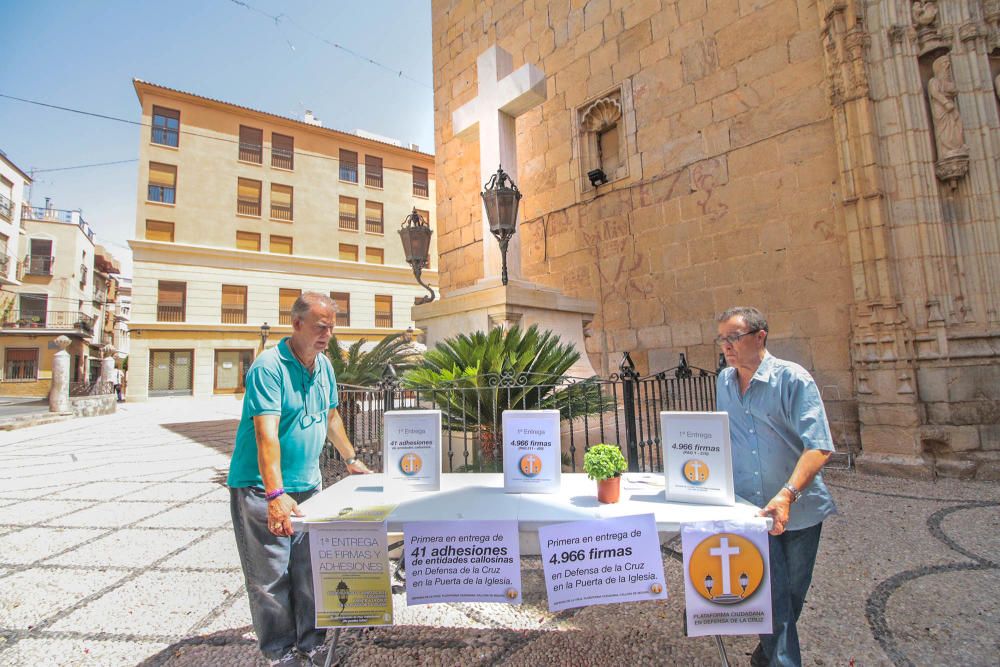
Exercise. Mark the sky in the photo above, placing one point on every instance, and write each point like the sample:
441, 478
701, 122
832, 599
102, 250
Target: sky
83, 55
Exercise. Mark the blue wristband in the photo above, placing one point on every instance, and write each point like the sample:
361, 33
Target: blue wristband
271, 495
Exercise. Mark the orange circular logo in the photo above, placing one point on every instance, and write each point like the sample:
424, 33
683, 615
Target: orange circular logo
726, 568
695, 471
410, 464
530, 465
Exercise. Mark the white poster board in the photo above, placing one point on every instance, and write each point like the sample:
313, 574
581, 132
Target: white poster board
727, 585
532, 461
462, 561
602, 562
697, 457
412, 450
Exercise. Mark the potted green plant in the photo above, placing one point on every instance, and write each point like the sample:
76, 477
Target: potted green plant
605, 464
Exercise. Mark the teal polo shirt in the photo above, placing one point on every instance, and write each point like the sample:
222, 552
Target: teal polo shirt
277, 384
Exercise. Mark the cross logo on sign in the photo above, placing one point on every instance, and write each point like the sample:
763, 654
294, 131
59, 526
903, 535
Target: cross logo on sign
695, 471
530, 465
726, 568
410, 464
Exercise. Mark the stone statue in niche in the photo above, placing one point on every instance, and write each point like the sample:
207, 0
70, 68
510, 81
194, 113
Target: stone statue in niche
949, 137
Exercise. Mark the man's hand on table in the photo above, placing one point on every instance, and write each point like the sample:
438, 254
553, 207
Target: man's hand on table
778, 510
279, 515
358, 468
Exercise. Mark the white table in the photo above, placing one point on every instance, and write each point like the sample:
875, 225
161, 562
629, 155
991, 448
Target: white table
480, 497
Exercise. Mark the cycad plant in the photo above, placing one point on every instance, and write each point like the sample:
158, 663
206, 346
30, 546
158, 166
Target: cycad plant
474, 378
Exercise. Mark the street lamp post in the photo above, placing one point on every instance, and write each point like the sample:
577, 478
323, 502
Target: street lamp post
264, 331
415, 233
501, 204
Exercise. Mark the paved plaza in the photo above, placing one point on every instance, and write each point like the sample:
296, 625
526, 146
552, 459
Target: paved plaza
116, 549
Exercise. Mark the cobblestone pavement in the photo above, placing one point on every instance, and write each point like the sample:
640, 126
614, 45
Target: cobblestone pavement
116, 549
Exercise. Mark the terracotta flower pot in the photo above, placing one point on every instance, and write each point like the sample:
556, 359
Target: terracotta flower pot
609, 490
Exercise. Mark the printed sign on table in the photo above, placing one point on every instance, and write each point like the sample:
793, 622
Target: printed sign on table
532, 460
602, 562
697, 459
412, 450
727, 588
462, 561
351, 569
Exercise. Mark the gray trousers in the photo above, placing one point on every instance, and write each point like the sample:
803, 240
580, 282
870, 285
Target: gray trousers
278, 573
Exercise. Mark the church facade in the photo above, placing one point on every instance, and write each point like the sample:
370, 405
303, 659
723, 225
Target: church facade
832, 162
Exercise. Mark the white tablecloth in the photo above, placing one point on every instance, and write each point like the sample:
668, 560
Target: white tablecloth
480, 497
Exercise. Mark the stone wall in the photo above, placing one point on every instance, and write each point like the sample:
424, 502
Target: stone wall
91, 406
728, 191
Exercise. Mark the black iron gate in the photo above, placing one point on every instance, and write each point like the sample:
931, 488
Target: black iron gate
623, 409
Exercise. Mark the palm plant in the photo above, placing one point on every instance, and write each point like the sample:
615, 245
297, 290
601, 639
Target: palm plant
474, 378
360, 372
365, 369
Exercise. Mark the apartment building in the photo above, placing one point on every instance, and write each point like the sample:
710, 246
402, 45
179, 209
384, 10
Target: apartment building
123, 313
239, 211
64, 277
13, 183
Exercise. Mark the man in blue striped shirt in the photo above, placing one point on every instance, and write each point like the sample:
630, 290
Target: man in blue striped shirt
781, 439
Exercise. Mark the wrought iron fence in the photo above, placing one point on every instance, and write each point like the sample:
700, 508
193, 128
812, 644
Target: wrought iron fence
622, 409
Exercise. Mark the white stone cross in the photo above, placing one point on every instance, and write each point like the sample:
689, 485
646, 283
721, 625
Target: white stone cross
503, 96
724, 551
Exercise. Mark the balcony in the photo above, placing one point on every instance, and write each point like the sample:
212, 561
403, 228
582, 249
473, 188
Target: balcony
251, 152
248, 207
169, 313
162, 193
43, 214
38, 265
6, 207
165, 136
279, 212
282, 158
420, 189
65, 320
383, 320
373, 179
349, 172
349, 221
343, 319
234, 316
374, 226
285, 317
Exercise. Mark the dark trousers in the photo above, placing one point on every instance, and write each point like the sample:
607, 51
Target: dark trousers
793, 555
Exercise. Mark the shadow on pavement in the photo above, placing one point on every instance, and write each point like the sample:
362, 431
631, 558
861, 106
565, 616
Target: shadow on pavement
219, 434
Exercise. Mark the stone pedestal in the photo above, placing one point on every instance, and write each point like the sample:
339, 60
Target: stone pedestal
489, 304
59, 393
107, 369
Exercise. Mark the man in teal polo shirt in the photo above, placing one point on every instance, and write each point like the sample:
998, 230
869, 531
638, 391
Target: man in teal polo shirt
289, 411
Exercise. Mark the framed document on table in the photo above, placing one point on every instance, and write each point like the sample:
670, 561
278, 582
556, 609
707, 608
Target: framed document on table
412, 450
697, 457
532, 449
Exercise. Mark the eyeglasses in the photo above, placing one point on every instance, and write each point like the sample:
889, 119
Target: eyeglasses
733, 338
